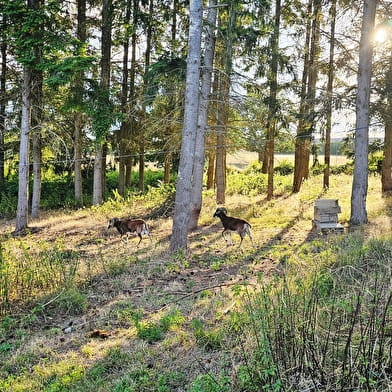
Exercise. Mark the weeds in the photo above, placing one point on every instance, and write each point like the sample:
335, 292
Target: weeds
323, 333
209, 340
155, 331
319, 318
27, 273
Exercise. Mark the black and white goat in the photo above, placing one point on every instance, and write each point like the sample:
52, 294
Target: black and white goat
230, 224
129, 226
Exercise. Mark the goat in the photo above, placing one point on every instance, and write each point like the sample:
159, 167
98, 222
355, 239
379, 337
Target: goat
230, 224
129, 226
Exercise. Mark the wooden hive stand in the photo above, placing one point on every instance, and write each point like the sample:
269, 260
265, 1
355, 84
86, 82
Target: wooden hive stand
326, 216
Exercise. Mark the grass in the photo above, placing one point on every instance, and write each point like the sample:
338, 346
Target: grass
298, 312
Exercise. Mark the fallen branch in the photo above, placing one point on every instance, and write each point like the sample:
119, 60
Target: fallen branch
217, 286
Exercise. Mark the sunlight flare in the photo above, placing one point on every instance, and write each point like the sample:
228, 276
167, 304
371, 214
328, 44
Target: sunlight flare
380, 35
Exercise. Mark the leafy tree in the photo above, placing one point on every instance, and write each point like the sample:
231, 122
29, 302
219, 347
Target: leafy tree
33, 46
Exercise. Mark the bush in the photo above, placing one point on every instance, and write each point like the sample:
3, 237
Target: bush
347, 168
284, 168
58, 190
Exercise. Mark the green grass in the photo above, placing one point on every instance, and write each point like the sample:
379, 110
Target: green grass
295, 312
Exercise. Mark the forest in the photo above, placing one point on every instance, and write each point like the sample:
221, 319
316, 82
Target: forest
134, 109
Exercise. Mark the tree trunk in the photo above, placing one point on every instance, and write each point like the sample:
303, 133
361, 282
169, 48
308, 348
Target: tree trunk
78, 185
327, 147
222, 93
166, 176
3, 80
36, 194
98, 170
23, 187
184, 181
132, 99
79, 118
36, 119
99, 163
360, 179
146, 67
124, 128
302, 141
223, 107
260, 156
211, 170
199, 155
220, 161
273, 104
386, 169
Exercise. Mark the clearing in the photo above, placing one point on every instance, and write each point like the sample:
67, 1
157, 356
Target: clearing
122, 293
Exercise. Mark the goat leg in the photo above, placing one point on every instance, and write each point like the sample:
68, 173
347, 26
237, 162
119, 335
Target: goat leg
223, 235
140, 240
250, 236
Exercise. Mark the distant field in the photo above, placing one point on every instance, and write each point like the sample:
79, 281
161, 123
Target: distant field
241, 159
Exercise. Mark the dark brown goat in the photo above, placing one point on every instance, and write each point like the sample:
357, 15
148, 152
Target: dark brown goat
230, 224
129, 226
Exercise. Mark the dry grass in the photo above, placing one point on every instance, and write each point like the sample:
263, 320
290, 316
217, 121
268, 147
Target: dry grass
118, 280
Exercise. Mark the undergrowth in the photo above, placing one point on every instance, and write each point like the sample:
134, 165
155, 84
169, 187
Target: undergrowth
286, 315
324, 329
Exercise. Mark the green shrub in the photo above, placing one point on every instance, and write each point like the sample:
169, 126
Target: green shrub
284, 168
209, 340
73, 302
347, 168
155, 331
58, 189
210, 383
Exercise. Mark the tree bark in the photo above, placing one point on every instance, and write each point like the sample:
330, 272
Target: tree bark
146, 67
328, 127
23, 187
124, 128
211, 170
168, 160
199, 155
3, 80
99, 166
97, 179
273, 104
360, 179
223, 107
78, 185
79, 118
386, 169
36, 120
386, 177
184, 180
302, 141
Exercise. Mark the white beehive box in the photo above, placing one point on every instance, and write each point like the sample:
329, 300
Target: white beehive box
326, 216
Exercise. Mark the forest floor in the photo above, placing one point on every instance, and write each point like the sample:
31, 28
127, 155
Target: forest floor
119, 280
